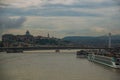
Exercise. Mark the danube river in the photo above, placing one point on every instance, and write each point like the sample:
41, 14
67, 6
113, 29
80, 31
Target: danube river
38, 65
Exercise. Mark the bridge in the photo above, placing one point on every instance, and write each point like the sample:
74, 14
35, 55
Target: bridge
48, 48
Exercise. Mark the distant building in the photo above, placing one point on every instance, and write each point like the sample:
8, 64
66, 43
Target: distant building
10, 40
27, 33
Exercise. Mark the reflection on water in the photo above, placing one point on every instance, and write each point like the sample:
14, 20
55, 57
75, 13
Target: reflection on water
52, 66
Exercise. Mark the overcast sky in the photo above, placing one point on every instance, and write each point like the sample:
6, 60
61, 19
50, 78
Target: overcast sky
60, 17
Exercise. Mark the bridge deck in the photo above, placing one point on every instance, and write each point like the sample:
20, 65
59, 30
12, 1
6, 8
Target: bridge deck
46, 48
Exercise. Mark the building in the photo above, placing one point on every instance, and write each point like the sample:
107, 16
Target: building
10, 40
27, 33
7, 39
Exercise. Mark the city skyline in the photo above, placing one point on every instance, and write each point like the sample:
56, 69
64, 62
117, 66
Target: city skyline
60, 18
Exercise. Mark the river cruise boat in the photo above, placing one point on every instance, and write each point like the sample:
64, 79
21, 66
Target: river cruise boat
81, 54
107, 57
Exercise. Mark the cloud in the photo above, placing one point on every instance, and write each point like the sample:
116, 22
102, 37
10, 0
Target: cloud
81, 5
21, 3
45, 12
74, 25
10, 23
60, 3
54, 7
117, 2
84, 17
64, 2
99, 29
4, 5
29, 3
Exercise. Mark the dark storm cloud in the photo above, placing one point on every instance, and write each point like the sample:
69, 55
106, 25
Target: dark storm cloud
8, 23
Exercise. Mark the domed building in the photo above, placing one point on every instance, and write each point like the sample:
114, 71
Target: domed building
28, 33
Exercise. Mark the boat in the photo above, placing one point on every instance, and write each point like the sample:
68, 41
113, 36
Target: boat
14, 51
81, 54
57, 50
106, 57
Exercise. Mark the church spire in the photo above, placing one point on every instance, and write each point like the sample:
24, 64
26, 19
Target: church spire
48, 35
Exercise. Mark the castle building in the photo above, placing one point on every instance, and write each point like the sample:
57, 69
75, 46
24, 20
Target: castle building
10, 40
26, 40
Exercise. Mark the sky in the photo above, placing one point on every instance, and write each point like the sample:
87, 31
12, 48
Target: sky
60, 18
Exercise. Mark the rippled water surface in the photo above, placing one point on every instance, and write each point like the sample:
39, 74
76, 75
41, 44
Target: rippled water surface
52, 66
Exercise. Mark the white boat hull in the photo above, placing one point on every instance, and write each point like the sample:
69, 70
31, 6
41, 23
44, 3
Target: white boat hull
109, 61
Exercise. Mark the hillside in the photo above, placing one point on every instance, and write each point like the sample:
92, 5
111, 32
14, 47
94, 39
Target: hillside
100, 41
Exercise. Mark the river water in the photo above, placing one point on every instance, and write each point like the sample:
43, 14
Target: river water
37, 65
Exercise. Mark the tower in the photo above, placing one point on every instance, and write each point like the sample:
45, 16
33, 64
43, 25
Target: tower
48, 35
109, 41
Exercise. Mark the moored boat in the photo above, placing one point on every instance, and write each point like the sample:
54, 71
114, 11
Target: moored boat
107, 58
14, 51
57, 50
81, 54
